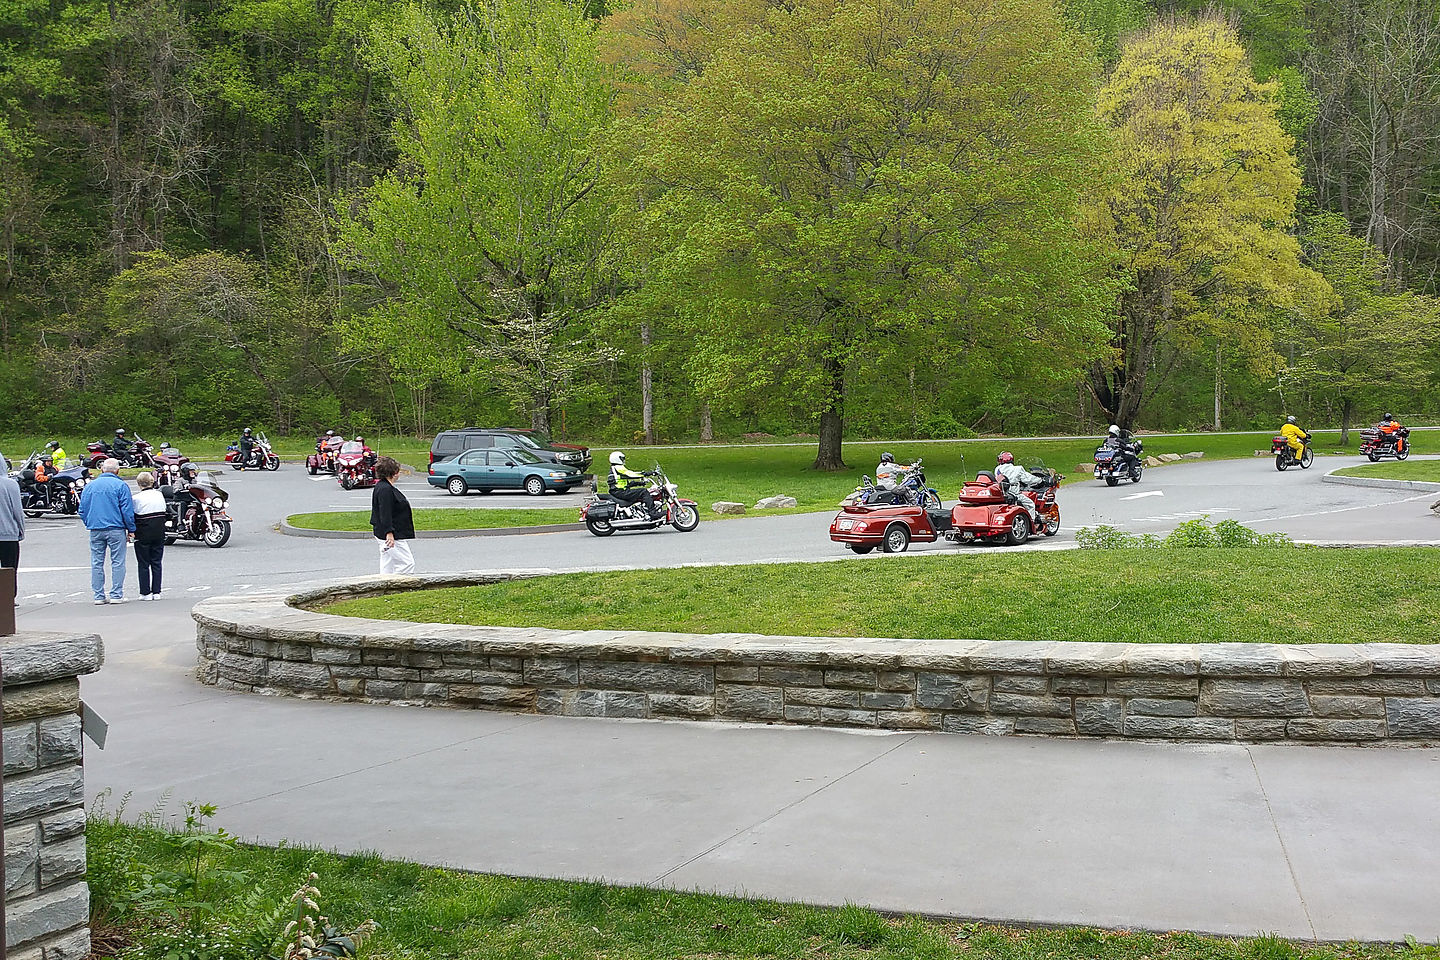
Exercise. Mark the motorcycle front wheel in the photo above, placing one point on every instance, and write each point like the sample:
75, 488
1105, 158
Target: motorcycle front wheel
687, 518
1402, 454
1306, 459
347, 482
312, 468
272, 462
218, 534
601, 528
1052, 527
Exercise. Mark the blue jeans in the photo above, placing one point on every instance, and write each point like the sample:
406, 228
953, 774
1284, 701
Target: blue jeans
112, 539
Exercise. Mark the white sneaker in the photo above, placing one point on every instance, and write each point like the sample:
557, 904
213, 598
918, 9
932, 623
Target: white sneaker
101, 602
155, 595
119, 599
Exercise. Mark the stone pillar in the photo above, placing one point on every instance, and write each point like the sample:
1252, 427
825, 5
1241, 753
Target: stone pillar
47, 903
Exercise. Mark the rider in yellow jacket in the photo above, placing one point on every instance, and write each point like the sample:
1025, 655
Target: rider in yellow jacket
1294, 435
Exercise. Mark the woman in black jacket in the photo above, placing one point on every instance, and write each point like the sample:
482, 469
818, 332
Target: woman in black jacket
391, 521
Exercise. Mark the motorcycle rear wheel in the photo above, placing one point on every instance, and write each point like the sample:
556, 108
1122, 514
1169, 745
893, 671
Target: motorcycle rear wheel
1112, 481
601, 528
218, 534
1019, 530
1280, 463
687, 518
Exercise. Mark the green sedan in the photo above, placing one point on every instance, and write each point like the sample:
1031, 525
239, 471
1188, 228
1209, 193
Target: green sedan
490, 469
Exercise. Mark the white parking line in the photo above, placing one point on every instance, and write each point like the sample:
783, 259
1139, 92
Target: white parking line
48, 569
1147, 493
196, 589
1183, 515
37, 596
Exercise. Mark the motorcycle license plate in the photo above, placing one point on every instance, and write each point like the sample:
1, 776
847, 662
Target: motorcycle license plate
844, 524
967, 535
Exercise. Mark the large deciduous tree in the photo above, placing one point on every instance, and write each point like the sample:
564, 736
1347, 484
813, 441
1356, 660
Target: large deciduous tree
486, 240
847, 184
1201, 205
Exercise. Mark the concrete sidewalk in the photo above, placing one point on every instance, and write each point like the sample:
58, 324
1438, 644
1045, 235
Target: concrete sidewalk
1333, 843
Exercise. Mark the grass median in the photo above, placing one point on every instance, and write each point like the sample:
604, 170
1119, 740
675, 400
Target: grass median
1280, 595
442, 519
1422, 470
425, 913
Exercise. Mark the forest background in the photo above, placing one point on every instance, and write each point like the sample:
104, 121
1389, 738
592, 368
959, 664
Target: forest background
682, 219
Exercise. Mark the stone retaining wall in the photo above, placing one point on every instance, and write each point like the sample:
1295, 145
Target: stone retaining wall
47, 903
1222, 692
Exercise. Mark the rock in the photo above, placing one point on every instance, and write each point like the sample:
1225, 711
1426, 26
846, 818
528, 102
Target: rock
1084, 468
1193, 455
1262, 453
1153, 461
1407, 718
1169, 457
776, 503
724, 507
1254, 698
1435, 507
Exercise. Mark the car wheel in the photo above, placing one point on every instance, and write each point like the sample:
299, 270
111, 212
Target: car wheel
1019, 530
861, 548
897, 538
457, 486
535, 486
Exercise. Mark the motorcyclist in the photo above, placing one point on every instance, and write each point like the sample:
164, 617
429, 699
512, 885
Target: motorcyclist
57, 453
121, 447
1017, 478
1391, 427
247, 444
888, 474
1295, 437
1123, 439
628, 486
44, 473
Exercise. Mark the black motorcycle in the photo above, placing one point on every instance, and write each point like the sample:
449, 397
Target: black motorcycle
60, 494
1285, 457
196, 511
1116, 460
603, 514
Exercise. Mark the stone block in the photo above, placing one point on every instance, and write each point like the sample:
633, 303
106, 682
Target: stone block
1180, 728
22, 855
1027, 706
728, 508
570, 703
1406, 718
471, 660
60, 740
871, 700
1309, 728
648, 677
1148, 707
52, 658
1131, 687
895, 681
489, 678
451, 675
835, 716
35, 918
790, 676
749, 703
1099, 716
423, 660
779, 502
1049, 726
737, 674
1077, 686
298, 652
1347, 707
948, 691
1254, 698
552, 673
851, 679
681, 705
408, 674
1369, 686
1141, 660
511, 664
795, 713
298, 676
1240, 660
381, 658
72, 946
387, 689
631, 705
328, 655
516, 698
350, 686
1260, 729
985, 726
41, 699
356, 673
908, 719
242, 669
427, 691
41, 792
61, 861
21, 745
1433, 686
822, 697
1009, 683
62, 825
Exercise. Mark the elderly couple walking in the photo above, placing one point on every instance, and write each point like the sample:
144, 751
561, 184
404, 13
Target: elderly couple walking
113, 516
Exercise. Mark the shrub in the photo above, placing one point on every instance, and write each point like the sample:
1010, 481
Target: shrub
1192, 533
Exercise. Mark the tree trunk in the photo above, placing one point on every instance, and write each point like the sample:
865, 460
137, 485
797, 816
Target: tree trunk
1347, 409
832, 418
647, 394
707, 429
1218, 386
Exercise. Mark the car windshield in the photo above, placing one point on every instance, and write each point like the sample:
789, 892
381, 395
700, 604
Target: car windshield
528, 441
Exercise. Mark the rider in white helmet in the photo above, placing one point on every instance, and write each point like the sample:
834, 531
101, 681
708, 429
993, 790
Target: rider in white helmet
627, 485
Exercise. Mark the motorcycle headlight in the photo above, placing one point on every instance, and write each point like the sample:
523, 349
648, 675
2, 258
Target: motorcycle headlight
218, 503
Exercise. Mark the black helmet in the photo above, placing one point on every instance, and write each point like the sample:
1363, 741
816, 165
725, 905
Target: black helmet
53, 445
887, 458
188, 471
1388, 417
246, 431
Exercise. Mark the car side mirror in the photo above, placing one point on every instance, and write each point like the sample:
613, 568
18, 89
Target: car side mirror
509, 463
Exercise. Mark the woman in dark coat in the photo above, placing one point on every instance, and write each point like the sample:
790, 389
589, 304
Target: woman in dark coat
391, 521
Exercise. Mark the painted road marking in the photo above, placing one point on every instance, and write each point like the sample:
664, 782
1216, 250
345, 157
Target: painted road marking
1183, 515
196, 589
1147, 493
48, 569
38, 596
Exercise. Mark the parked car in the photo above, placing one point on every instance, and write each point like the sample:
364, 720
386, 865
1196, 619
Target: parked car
451, 443
485, 470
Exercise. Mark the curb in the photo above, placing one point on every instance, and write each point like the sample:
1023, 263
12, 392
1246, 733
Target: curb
1420, 486
292, 531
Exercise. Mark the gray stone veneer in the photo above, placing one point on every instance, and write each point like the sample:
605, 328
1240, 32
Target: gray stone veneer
47, 903
1231, 691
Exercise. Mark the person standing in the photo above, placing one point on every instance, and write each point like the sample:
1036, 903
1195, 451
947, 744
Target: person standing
391, 520
12, 521
150, 514
108, 512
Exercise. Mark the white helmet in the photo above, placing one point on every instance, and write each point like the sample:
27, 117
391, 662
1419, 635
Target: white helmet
1289, 419
617, 459
1114, 429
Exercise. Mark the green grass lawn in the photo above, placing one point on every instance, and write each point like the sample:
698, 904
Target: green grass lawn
425, 913
440, 519
1294, 595
1428, 470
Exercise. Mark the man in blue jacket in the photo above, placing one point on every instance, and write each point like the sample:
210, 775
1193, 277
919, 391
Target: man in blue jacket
108, 512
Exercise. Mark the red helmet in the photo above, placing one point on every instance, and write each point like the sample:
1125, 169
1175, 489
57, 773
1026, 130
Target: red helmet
1005, 457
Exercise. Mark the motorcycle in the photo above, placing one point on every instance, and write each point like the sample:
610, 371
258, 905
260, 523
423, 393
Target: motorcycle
1285, 457
355, 466
59, 495
261, 456
912, 490
602, 514
197, 512
323, 459
1375, 443
988, 512
138, 454
1115, 461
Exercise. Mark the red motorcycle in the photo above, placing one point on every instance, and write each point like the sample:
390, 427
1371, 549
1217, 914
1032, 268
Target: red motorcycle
355, 466
988, 513
138, 454
1376, 443
327, 449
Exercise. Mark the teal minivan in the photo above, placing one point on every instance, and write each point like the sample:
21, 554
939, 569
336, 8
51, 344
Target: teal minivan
491, 469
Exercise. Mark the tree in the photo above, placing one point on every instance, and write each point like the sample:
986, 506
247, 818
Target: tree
1205, 191
1372, 337
851, 183
487, 240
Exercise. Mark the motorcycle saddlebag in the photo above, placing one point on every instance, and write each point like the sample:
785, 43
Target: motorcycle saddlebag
601, 510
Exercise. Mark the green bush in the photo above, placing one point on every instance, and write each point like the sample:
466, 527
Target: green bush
1199, 532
